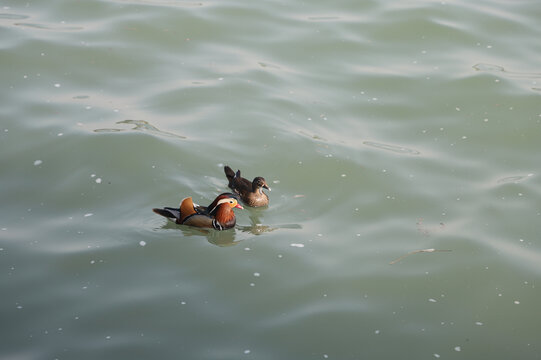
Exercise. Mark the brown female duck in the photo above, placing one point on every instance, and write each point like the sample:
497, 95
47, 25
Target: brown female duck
218, 215
251, 192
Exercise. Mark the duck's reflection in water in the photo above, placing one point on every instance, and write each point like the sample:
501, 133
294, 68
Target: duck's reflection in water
229, 237
256, 228
215, 237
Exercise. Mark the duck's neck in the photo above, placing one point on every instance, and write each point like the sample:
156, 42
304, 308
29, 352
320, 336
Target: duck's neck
225, 215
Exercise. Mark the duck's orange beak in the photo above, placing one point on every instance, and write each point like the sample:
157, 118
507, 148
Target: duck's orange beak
239, 206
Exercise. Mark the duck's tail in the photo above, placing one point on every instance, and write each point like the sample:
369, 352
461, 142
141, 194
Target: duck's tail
170, 213
229, 173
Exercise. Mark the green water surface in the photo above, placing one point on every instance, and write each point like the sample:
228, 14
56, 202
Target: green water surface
383, 128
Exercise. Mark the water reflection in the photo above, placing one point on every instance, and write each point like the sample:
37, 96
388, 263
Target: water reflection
256, 228
229, 237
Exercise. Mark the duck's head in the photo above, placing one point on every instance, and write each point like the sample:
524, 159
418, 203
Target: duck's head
232, 202
259, 183
225, 198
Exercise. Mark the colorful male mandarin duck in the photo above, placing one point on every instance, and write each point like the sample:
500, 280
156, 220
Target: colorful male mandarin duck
251, 192
219, 215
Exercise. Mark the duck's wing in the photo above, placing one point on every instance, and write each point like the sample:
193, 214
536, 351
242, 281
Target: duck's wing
242, 185
198, 220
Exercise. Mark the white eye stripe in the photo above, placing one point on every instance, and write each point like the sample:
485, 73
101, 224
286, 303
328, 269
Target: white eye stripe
223, 201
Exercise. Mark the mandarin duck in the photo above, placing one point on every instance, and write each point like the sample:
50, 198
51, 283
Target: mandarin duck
251, 192
218, 215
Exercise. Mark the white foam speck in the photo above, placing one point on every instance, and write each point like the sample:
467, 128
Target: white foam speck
247, 351
478, 323
142, 243
297, 245
246, 249
60, 134
57, 85
432, 300
256, 274
437, 356
457, 348
325, 356
98, 180
108, 337
516, 302
252, 284
376, 332
88, 214
38, 162
92, 175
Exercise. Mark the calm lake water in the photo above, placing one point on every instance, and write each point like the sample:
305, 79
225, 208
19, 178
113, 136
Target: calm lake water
383, 127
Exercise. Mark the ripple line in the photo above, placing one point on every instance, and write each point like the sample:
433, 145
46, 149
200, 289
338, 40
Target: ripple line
49, 27
13, 16
513, 179
393, 148
497, 68
140, 125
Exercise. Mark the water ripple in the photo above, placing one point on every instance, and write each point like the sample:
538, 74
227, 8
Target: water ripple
513, 179
164, 3
497, 68
49, 27
140, 125
13, 16
530, 76
394, 148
